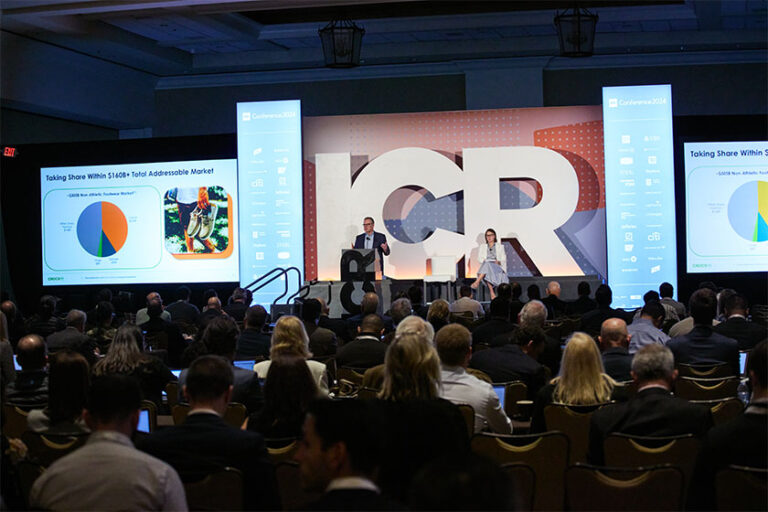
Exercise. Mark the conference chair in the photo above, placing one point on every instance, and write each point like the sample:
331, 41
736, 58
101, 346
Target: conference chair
624, 450
468, 413
723, 410
708, 371
14, 421
352, 375
27, 472
222, 490
573, 421
523, 479
546, 454
367, 393
281, 450
479, 374
45, 449
690, 388
172, 393
513, 392
645, 488
292, 495
742, 488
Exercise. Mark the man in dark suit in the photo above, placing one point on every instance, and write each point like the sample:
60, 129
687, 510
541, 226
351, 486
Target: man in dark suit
337, 456
614, 340
555, 306
253, 341
73, 337
30, 389
322, 341
371, 239
182, 310
162, 334
237, 305
583, 304
496, 330
534, 314
741, 441
653, 411
592, 321
516, 360
205, 443
367, 350
748, 334
702, 345
368, 306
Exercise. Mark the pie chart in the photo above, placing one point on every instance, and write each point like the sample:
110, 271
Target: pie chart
102, 229
748, 211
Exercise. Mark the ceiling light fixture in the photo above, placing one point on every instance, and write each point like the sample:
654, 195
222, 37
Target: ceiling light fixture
341, 40
576, 31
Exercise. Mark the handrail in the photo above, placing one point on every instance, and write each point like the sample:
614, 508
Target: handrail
274, 274
298, 282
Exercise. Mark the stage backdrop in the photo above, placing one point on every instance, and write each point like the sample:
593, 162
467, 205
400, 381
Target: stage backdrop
434, 182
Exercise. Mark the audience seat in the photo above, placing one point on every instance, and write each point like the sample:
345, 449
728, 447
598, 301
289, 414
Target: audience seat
14, 421
523, 479
724, 409
513, 392
480, 375
222, 490
292, 496
27, 472
546, 454
742, 488
172, 393
705, 371
281, 452
690, 388
573, 421
468, 413
45, 449
652, 488
367, 393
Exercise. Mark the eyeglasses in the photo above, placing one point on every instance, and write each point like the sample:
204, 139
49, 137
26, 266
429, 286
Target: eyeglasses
367, 223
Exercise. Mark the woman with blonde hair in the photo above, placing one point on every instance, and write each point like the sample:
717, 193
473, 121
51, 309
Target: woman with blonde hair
438, 314
290, 338
582, 380
411, 369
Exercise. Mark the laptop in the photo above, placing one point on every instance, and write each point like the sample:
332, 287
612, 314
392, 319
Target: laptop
16, 364
143, 421
743, 362
176, 373
245, 365
499, 389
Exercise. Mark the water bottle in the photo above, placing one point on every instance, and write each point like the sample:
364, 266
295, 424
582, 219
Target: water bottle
743, 391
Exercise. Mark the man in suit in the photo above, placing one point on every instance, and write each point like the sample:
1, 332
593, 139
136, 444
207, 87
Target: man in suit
367, 350
371, 239
163, 333
555, 306
748, 334
592, 321
666, 291
337, 456
238, 304
495, 331
73, 337
741, 441
182, 310
322, 341
30, 389
534, 314
205, 443
253, 341
142, 316
368, 306
653, 411
583, 304
702, 345
614, 340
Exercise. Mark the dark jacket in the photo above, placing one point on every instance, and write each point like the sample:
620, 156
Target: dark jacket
704, 346
508, 363
365, 351
748, 334
617, 362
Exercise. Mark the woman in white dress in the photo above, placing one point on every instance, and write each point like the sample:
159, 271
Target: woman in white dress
493, 263
290, 338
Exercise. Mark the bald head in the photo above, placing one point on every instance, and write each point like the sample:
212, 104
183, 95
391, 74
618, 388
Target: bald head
370, 303
613, 333
76, 318
213, 303
553, 288
154, 297
30, 352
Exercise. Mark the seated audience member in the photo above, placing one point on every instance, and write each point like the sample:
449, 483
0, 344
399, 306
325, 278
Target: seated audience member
7, 370
236, 306
471, 482
108, 473
211, 310
204, 443
322, 341
103, 295
736, 326
102, 332
666, 291
685, 325
367, 349
290, 338
454, 346
670, 315
593, 320
182, 311
417, 425
142, 316
337, 456
465, 303
399, 310
646, 329
741, 441
702, 345
73, 337
125, 358
533, 292
219, 339
555, 307
368, 306
517, 360
45, 322
515, 304
496, 330
723, 296
253, 342
653, 410
614, 340
16, 328
534, 314
69, 379
438, 314
416, 296
583, 304
337, 325
163, 335
582, 380
288, 390
30, 389
504, 290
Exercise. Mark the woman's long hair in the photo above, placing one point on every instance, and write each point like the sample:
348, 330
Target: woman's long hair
288, 390
69, 377
411, 369
124, 355
289, 338
582, 380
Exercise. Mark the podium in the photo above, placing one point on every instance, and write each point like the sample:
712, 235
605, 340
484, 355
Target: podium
360, 265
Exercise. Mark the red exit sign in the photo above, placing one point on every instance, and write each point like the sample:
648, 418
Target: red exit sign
9, 151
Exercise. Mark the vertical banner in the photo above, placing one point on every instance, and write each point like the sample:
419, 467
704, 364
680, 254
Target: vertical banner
270, 185
639, 191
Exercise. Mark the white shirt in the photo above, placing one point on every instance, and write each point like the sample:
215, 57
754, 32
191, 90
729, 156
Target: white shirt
316, 368
460, 387
369, 241
468, 304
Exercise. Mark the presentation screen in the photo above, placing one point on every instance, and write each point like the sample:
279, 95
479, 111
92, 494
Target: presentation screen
269, 170
434, 182
164, 222
726, 204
